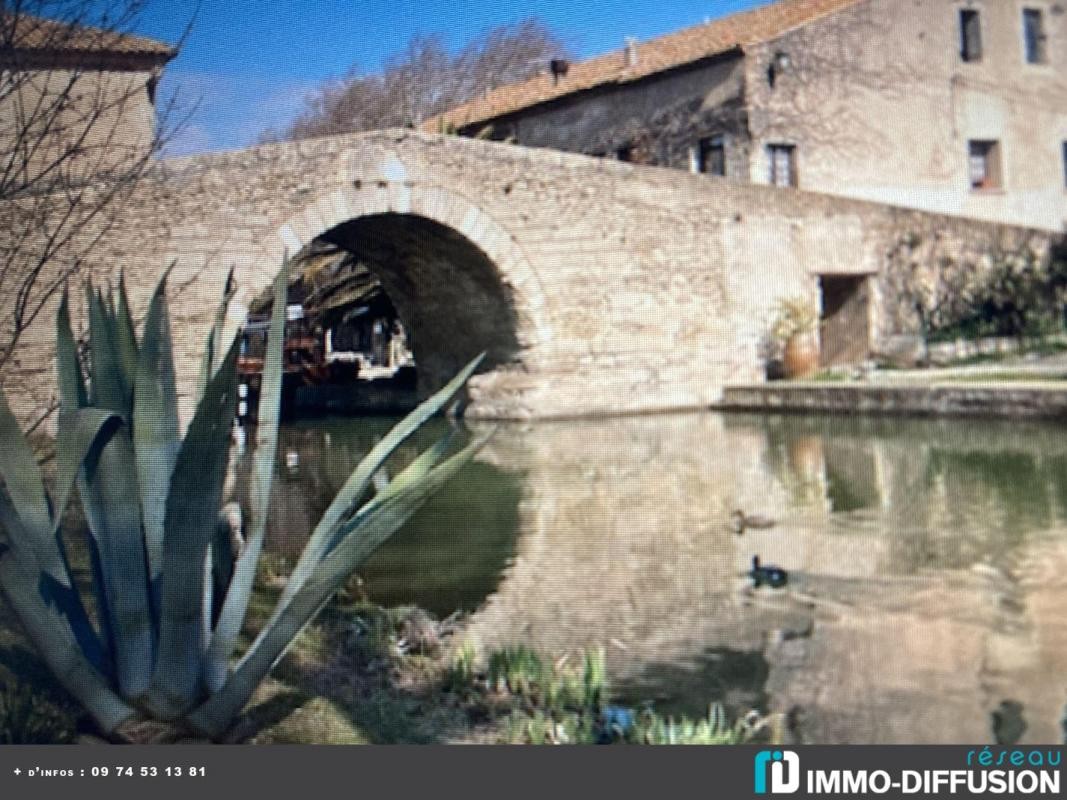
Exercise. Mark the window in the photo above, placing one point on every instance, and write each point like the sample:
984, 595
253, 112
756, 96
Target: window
709, 156
1034, 35
984, 165
783, 164
970, 35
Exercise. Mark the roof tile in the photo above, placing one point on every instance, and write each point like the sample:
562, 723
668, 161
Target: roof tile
656, 55
40, 34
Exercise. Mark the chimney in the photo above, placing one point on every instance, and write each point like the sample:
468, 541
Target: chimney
631, 51
559, 67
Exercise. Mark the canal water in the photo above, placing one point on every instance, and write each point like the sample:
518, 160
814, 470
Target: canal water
927, 562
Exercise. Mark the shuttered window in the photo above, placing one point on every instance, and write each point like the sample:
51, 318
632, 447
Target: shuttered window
970, 35
1034, 36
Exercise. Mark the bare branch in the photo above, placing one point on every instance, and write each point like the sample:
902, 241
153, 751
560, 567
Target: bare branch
425, 79
76, 136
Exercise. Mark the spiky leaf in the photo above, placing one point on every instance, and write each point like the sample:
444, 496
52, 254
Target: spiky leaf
108, 488
379, 522
22, 477
125, 338
54, 641
357, 483
192, 513
156, 429
62, 597
68, 367
108, 386
270, 400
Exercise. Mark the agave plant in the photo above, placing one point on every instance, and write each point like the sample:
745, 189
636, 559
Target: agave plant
169, 594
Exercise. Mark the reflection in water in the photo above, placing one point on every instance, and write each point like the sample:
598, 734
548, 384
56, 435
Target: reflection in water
927, 562
449, 556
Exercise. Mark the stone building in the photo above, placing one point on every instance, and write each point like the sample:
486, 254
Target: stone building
952, 106
75, 101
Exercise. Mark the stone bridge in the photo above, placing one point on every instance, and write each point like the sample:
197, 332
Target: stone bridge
596, 287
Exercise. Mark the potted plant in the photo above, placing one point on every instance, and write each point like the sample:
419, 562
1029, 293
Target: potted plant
795, 325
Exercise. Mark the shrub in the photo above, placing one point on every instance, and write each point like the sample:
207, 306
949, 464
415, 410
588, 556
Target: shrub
170, 596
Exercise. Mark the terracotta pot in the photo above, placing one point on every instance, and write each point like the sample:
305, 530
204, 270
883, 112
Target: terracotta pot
801, 356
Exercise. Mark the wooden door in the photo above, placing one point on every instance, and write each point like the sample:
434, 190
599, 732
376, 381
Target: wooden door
844, 329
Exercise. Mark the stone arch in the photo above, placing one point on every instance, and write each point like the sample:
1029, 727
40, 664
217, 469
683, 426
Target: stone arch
430, 230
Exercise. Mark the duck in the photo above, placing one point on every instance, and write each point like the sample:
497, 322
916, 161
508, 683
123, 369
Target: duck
773, 576
740, 521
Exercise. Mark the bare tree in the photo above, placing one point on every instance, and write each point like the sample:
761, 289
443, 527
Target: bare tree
426, 79
78, 130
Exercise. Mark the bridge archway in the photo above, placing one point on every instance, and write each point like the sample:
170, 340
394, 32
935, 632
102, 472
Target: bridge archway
459, 281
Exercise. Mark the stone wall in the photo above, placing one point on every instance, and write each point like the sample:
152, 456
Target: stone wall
881, 106
660, 119
596, 287
104, 120
877, 105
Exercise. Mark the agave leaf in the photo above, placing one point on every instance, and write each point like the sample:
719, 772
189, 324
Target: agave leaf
79, 431
209, 361
103, 612
28, 519
207, 597
357, 483
108, 299
63, 597
270, 645
125, 338
192, 513
22, 477
219, 342
109, 388
108, 488
420, 479
57, 645
270, 400
82, 434
417, 470
222, 557
205, 365
380, 479
71, 381
156, 430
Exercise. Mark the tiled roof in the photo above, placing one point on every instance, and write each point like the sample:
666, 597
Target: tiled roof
656, 55
39, 34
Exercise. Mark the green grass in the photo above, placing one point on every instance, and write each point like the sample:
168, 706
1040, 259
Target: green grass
560, 703
347, 680
831, 376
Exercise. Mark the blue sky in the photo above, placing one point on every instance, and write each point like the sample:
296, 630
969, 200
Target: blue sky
248, 64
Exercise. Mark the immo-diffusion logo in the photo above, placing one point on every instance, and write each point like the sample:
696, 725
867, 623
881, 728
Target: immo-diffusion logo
1018, 771
784, 769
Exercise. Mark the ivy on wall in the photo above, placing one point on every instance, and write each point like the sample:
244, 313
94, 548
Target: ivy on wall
994, 290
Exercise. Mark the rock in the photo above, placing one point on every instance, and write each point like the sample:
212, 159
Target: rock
902, 351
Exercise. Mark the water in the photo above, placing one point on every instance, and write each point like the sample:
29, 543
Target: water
927, 562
